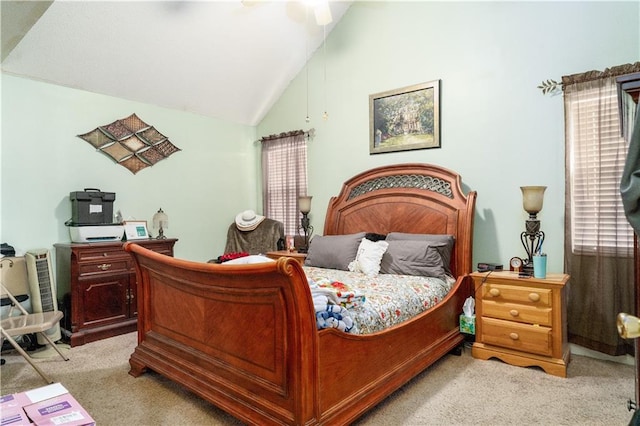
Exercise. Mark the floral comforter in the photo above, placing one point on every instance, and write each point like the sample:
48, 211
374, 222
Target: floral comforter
376, 303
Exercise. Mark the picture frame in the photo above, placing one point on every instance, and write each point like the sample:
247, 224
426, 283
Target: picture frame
135, 230
405, 119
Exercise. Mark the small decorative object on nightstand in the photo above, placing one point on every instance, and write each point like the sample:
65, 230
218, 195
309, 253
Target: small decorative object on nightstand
275, 255
515, 264
522, 321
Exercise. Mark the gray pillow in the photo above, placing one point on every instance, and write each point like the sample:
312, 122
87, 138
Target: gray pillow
445, 251
333, 251
411, 257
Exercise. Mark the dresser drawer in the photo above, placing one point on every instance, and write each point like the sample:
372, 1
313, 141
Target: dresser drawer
517, 336
518, 312
107, 266
517, 294
101, 254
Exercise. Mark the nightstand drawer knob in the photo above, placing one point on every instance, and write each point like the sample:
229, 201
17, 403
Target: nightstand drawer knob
104, 266
534, 297
494, 292
514, 312
514, 336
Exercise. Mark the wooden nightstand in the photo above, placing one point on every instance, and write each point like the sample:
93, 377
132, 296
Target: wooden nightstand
522, 321
300, 257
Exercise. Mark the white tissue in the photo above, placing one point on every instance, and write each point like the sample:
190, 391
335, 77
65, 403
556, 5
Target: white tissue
469, 306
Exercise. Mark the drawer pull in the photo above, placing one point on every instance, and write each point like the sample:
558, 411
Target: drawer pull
514, 336
514, 312
494, 292
104, 266
105, 254
534, 297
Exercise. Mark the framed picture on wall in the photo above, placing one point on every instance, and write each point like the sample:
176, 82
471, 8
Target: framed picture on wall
405, 119
135, 229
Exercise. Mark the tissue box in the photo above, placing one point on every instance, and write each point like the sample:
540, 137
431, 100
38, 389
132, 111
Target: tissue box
468, 324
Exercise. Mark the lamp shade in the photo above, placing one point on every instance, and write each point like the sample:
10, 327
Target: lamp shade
532, 197
160, 220
304, 203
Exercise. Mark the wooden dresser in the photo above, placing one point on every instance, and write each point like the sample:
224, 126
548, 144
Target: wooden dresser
97, 287
522, 321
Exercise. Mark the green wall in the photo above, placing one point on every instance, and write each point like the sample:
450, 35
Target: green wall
201, 187
497, 129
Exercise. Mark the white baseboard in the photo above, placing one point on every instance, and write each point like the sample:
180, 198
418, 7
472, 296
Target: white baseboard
579, 350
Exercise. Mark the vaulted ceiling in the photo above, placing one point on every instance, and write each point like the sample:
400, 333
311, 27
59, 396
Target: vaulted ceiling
225, 59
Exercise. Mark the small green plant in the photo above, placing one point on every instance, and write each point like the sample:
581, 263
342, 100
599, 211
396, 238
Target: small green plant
550, 86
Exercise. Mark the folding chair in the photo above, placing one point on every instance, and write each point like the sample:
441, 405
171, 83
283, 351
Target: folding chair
27, 323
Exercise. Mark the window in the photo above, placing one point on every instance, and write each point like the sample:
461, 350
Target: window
596, 157
284, 177
598, 249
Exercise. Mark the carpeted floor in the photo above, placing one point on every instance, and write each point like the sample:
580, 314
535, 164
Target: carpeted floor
457, 390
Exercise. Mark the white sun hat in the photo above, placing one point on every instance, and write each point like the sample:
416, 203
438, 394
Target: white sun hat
248, 220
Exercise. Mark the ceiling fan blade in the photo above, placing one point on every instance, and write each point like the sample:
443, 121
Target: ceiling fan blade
297, 10
323, 13
251, 3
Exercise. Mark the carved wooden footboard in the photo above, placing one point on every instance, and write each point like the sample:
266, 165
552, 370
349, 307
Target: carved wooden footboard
239, 336
244, 336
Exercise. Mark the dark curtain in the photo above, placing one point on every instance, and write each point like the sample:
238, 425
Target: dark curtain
602, 278
630, 182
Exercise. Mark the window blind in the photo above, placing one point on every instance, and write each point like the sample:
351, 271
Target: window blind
597, 157
284, 168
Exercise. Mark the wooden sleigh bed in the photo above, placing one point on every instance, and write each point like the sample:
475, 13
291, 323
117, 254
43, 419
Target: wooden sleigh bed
244, 337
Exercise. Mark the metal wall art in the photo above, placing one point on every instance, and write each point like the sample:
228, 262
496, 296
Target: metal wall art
131, 142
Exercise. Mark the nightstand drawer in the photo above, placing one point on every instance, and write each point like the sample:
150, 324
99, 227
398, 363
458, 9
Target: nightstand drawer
517, 336
517, 312
517, 294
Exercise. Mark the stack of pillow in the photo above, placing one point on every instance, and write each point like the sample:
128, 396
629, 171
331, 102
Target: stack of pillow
396, 253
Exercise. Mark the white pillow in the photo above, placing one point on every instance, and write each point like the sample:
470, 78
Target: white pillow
368, 257
254, 258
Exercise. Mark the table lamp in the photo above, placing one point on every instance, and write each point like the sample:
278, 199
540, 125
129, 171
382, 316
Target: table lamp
532, 238
160, 221
304, 204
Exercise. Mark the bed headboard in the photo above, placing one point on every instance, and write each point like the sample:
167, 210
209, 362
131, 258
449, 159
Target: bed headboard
415, 198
